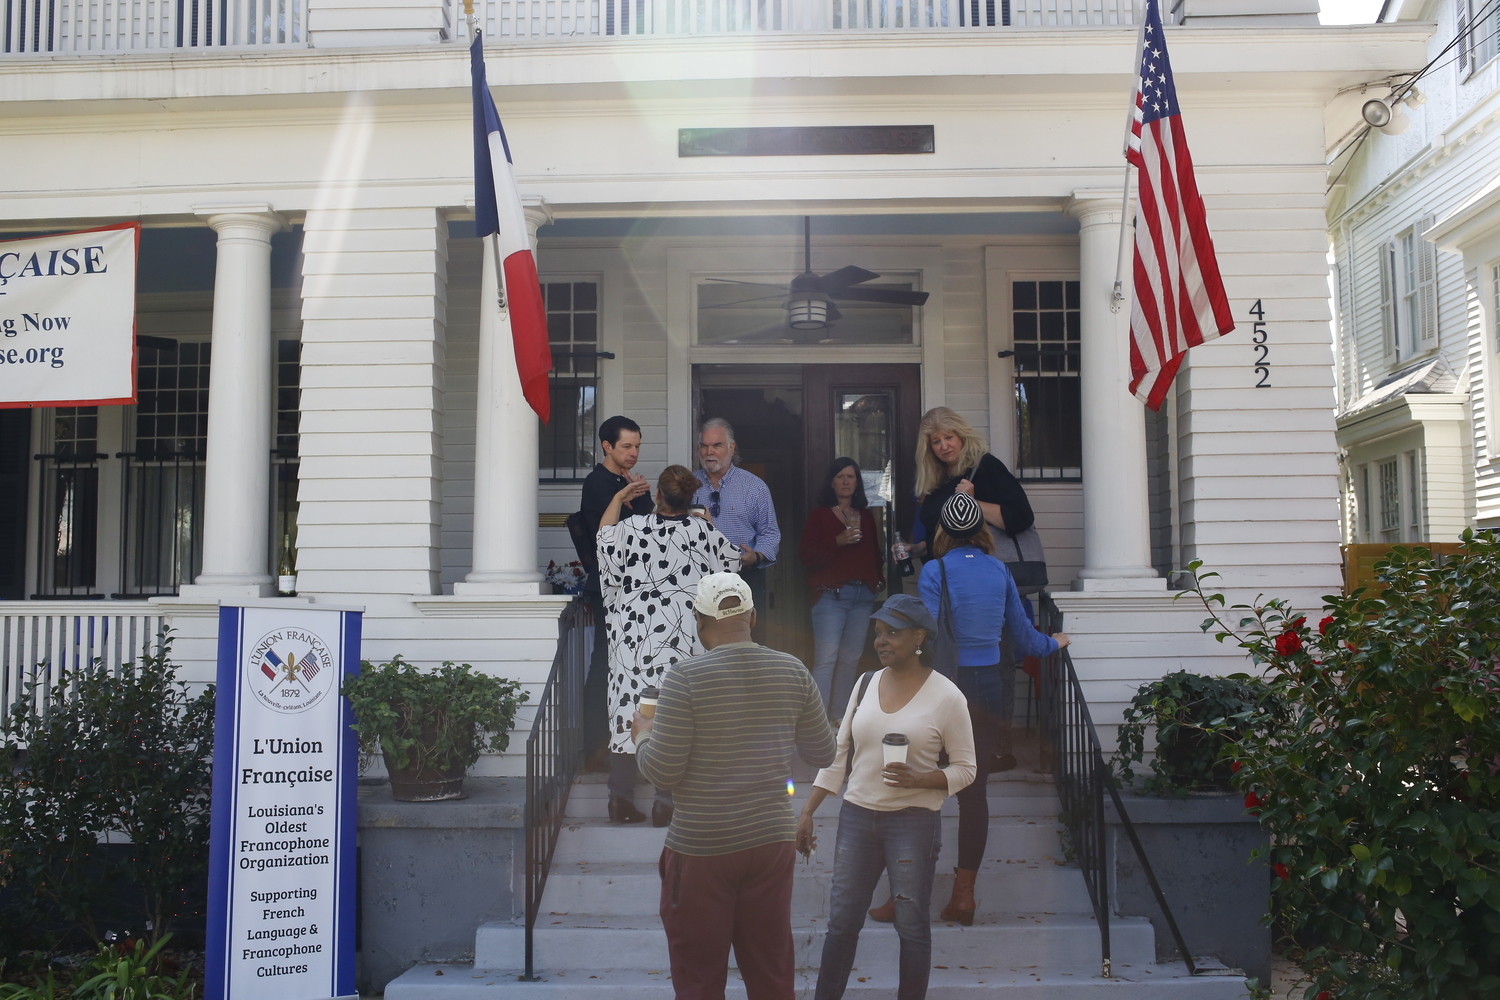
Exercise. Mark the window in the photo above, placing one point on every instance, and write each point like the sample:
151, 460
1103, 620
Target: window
1390, 501
1414, 495
1365, 504
1479, 38
1045, 323
164, 470
755, 313
1418, 320
284, 462
566, 451
68, 536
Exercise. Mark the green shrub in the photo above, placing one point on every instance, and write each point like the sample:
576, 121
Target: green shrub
108, 754
136, 974
439, 719
1380, 789
1194, 716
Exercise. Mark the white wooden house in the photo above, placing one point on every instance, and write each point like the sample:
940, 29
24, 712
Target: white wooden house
1414, 219
310, 298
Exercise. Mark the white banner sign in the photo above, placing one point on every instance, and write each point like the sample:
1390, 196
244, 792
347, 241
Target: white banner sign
67, 312
281, 857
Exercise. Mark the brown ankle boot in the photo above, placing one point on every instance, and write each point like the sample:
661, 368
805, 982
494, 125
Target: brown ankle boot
885, 912
961, 905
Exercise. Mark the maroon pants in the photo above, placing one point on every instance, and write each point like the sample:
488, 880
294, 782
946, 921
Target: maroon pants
742, 899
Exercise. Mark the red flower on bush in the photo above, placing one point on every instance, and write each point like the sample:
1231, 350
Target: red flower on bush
1323, 625
1253, 801
1325, 995
1288, 643
1283, 872
1234, 767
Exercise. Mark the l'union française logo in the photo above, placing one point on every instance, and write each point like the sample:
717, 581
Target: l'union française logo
291, 670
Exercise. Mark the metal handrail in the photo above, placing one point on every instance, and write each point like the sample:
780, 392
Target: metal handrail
554, 754
1072, 751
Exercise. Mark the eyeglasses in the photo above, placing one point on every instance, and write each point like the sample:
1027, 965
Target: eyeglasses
714, 497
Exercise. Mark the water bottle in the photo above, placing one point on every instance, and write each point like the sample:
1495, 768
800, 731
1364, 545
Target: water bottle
903, 556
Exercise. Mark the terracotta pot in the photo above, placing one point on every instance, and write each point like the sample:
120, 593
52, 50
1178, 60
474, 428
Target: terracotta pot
426, 784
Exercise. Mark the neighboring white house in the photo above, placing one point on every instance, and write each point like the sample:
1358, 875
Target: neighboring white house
1414, 219
304, 175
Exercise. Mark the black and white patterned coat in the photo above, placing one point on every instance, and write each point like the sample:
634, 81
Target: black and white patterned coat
649, 568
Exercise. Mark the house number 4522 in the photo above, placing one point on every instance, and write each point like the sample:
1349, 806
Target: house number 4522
1258, 345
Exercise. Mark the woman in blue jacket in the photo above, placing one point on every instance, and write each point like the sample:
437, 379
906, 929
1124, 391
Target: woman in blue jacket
982, 603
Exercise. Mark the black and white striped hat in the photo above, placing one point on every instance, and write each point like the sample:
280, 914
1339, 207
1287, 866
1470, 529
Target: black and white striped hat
961, 516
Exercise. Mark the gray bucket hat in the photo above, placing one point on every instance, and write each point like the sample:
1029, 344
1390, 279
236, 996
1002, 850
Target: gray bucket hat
905, 611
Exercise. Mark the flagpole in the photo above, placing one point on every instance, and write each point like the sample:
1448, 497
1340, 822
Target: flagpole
473, 21
1117, 298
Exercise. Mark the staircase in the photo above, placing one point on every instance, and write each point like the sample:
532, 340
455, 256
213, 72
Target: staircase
599, 938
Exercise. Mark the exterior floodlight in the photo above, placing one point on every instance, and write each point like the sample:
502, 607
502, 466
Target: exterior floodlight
1414, 98
808, 312
1377, 113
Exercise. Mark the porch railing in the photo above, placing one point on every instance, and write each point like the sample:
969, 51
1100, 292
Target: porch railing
117, 25
1072, 751
522, 19
554, 753
51, 643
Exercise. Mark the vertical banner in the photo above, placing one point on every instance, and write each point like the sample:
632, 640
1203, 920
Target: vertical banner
67, 318
281, 888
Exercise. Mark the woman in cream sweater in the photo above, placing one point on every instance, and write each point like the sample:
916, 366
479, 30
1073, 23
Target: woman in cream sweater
890, 817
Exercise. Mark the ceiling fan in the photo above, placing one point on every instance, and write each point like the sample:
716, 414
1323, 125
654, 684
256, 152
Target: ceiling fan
810, 298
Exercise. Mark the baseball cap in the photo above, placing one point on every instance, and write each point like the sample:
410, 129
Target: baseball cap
905, 611
961, 516
712, 590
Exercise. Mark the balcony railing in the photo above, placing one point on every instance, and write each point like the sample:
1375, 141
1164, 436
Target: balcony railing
523, 19
132, 25
106, 26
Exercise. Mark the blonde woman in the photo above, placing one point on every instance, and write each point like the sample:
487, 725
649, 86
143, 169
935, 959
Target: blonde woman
953, 458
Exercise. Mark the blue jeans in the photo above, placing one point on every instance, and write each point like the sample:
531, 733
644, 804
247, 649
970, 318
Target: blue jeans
905, 844
839, 621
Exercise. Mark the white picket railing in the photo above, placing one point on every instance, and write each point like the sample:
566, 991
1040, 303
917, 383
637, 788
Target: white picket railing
516, 20
50, 642
126, 25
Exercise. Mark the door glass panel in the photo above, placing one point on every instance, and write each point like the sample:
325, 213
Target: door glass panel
863, 430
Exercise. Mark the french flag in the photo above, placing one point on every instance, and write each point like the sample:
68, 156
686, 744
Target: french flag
497, 209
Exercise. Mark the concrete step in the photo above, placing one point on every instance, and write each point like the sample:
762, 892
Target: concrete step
1054, 943
633, 888
1005, 799
1152, 982
598, 841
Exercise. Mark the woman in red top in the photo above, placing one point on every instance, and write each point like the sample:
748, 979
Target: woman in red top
842, 556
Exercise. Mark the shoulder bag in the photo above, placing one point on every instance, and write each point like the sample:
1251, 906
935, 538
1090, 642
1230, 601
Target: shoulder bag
1022, 554
943, 650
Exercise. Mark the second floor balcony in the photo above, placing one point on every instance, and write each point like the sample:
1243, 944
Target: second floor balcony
112, 26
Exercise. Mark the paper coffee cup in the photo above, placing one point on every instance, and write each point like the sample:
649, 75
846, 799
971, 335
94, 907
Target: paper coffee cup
646, 705
893, 747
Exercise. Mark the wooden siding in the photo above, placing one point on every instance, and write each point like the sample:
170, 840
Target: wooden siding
373, 316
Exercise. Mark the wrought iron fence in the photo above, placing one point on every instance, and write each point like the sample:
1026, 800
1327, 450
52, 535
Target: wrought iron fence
67, 529
554, 752
1072, 752
161, 544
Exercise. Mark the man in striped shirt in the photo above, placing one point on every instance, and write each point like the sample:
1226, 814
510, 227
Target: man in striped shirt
726, 726
740, 504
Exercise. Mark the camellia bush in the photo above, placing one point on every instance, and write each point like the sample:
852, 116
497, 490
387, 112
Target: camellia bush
1380, 787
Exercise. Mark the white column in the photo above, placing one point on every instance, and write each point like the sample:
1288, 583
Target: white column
505, 448
1116, 518
237, 480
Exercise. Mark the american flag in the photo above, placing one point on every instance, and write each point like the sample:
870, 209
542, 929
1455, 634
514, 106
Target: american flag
1179, 298
309, 666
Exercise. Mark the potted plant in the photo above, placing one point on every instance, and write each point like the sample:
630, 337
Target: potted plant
1193, 826
430, 725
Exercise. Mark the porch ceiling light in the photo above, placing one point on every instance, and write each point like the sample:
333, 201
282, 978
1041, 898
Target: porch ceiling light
807, 311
